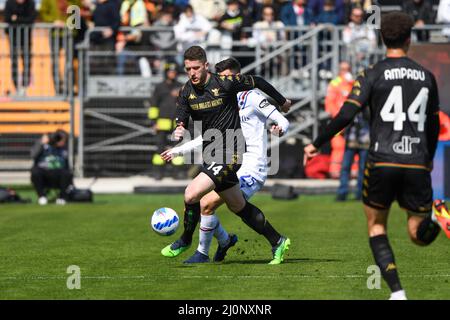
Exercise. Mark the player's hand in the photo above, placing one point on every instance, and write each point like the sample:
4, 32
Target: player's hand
310, 152
179, 132
276, 131
167, 155
286, 106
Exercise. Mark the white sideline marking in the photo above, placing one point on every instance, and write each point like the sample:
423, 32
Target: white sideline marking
155, 278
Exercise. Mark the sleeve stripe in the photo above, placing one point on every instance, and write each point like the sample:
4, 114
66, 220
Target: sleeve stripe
271, 113
357, 103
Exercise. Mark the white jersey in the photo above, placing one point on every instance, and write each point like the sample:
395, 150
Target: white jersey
254, 110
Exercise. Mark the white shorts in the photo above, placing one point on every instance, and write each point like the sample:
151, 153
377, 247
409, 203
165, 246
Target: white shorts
250, 181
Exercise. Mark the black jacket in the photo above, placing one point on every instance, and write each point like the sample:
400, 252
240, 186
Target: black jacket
26, 13
106, 15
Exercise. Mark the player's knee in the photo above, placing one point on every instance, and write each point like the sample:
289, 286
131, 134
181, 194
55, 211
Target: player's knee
207, 208
236, 206
191, 197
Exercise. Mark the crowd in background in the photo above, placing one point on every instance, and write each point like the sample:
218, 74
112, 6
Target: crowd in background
206, 22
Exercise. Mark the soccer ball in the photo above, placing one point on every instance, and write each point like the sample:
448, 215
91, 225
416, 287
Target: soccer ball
165, 221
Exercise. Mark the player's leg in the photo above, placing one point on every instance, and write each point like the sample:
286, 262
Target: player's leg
201, 185
417, 199
379, 191
422, 229
209, 224
255, 219
381, 249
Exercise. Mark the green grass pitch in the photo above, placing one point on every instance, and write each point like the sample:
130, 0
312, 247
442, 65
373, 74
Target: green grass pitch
119, 255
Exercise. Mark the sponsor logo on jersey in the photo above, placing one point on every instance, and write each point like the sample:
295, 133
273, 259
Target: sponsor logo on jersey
207, 104
404, 73
264, 104
215, 91
405, 146
192, 96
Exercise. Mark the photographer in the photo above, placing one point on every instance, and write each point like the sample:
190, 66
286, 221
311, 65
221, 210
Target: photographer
51, 167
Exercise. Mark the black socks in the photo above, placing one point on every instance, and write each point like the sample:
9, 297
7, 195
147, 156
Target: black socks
191, 219
384, 258
254, 218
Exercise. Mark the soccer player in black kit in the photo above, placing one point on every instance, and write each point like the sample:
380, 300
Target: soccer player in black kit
211, 98
404, 127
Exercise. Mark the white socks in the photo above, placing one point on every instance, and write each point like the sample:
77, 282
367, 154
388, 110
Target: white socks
398, 295
210, 226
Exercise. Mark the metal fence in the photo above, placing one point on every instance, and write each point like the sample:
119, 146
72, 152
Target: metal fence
114, 86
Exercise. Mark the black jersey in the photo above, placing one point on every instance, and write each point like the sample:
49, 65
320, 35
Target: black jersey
401, 95
215, 105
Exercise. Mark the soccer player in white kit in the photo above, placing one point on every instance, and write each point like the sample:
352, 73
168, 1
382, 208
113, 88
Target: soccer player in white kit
254, 112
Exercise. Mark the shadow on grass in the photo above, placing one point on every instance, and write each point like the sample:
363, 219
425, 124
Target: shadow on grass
263, 261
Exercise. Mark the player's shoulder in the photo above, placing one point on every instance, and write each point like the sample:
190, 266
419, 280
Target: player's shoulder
186, 89
250, 98
404, 67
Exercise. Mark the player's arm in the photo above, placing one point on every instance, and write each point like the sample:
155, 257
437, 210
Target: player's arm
169, 154
239, 83
182, 114
433, 126
357, 99
269, 111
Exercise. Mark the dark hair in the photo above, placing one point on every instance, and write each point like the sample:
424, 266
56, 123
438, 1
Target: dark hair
57, 136
195, 53
230, 63
396, 29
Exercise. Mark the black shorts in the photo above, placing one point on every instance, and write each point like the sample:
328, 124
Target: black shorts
223, 175
385, 183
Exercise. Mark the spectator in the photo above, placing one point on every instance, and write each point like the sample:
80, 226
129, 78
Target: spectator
133, 14
357, 141
269, 34
268, 31
422, 13
191, 29
351, 4
55, 11
287, 13
360, 39
337, 92
302, 12
51, 167
329, 14
106, 16
20, 15
233, 20
443, 16
210, 9
162, 113
317, 6
164, 41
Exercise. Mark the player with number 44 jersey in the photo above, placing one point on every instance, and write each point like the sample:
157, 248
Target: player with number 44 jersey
404, 126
